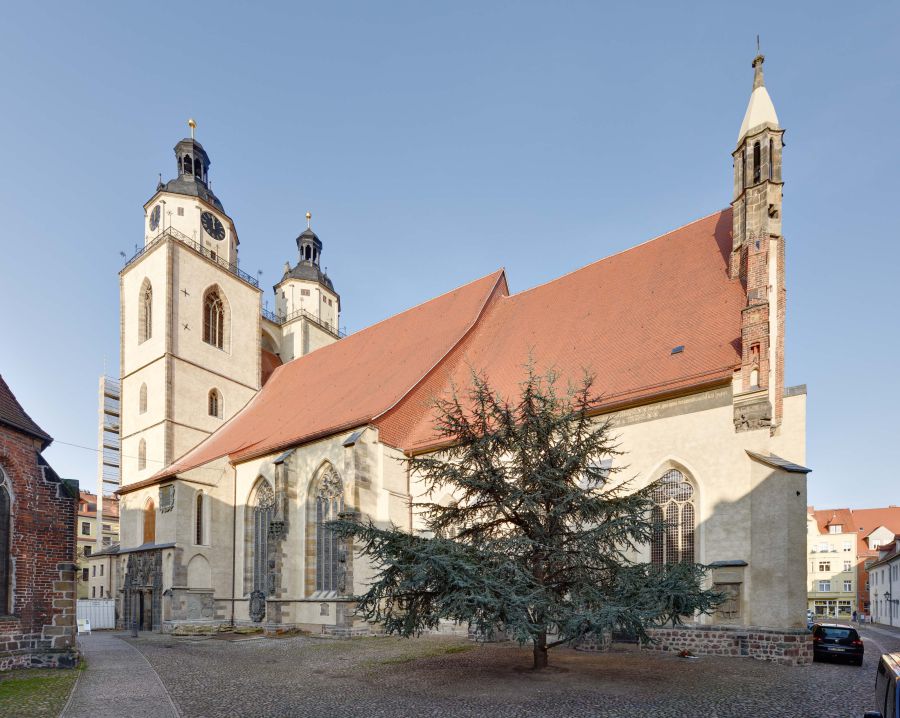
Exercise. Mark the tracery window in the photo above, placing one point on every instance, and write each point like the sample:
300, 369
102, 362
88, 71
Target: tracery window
145, 312
213, 319
674, 519
329, 503
263, 513
5, 543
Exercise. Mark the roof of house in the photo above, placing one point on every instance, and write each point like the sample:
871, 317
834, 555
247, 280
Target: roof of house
862, 522
13, 415
619, 318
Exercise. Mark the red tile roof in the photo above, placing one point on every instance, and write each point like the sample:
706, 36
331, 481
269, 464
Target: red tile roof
619, 317
862, 522
13, 415
270, 362
348, 383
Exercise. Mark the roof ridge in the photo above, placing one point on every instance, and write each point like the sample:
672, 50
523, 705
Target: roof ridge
616, 254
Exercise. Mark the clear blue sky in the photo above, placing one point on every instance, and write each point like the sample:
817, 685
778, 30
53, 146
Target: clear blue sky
434, 143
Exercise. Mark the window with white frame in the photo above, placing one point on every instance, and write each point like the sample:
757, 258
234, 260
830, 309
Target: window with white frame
835, 529
848, 565
848, 586
848, 546
823, 546
824, 586
824, 565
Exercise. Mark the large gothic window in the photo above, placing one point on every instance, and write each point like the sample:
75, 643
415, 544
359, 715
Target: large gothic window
329, 503
214, 318
145, 312
674, 519
263, 513
5, 543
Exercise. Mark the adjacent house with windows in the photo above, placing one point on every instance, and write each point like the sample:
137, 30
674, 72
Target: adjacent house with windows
245, 431
884, 583
94, 534
841, 545
37, 546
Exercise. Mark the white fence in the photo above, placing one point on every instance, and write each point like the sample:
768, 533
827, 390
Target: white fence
101, 612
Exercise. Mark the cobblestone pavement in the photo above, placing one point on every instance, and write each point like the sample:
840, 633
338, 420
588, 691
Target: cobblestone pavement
443, 676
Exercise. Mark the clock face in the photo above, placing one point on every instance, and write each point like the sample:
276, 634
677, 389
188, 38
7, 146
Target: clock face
154, 217
212, 226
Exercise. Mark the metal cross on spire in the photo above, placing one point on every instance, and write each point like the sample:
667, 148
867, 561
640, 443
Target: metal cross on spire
192, 125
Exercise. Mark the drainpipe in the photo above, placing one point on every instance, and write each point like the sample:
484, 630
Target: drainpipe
233, 541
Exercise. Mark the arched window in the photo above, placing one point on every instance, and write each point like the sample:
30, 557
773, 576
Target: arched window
5, 543
145, 312
263, 513
198, 513
198, 167
214, 403
771, 159
213, 318
757, 162
329, 503
674, 519
188, 165
149, 522
142, 399
142, 455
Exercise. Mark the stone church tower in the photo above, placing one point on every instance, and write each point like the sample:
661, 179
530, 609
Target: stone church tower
190, 317
757, 258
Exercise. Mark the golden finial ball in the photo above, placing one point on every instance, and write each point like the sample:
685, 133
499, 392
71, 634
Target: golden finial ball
192, 124
308, 215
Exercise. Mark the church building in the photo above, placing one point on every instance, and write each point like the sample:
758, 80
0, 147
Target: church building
244, 432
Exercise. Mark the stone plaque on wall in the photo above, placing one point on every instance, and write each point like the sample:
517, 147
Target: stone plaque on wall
166, 497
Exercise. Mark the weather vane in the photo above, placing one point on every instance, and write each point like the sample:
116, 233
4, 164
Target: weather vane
308, 217
193, 126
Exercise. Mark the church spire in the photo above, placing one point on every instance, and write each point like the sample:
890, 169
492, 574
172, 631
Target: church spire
757, 260
760, 110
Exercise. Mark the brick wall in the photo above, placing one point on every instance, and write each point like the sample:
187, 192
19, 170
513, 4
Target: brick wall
41, 629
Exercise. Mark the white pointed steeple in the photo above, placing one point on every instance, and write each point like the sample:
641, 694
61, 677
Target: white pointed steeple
760, 109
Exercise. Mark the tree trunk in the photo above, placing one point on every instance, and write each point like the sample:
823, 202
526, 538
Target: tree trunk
540, 650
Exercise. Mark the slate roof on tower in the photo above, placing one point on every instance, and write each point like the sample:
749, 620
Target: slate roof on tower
619, 317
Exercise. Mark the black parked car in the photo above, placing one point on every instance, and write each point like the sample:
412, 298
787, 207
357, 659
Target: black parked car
833, 640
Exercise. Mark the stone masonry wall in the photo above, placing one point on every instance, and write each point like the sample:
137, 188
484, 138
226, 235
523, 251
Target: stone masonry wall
792, 648
40, 631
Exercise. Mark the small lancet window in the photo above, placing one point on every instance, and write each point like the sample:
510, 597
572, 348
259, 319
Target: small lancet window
214, 404
142, 455
771, 159
145, 312
757, 162
198, 537
142, 399
149, 522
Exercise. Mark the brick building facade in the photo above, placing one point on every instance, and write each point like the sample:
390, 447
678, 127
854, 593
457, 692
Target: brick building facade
37, 547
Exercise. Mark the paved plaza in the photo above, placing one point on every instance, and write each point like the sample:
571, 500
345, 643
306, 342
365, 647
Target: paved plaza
443, 676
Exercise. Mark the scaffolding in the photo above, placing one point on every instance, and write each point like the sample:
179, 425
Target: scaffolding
109, 464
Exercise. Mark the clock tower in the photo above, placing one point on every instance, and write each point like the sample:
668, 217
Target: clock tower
190, 322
